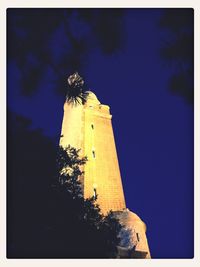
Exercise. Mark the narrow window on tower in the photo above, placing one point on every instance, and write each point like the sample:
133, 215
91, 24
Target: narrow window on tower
95, 193
93, 153
138, 239
92, 126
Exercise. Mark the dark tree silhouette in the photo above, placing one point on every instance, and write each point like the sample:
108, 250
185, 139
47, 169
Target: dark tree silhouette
47, 216
31, 166
99, 233
76, 92
178, 50
58, 40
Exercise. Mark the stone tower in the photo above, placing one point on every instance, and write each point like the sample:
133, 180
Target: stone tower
89, 128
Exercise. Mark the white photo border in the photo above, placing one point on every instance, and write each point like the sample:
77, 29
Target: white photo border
4, 4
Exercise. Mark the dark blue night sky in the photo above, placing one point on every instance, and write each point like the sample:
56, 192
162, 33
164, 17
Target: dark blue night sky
153, 127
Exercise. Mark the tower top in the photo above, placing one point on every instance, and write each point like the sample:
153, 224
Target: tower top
92, 98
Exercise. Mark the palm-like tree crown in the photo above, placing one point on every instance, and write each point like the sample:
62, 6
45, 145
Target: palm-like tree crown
75, 90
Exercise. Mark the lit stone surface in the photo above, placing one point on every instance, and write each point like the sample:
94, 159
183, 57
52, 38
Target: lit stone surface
89, 128
72, 126
138, 231
102, 169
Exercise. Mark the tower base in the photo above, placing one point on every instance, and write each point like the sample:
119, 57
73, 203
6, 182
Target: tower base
133, 236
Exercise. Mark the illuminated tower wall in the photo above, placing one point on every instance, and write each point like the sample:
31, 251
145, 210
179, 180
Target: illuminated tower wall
89, 128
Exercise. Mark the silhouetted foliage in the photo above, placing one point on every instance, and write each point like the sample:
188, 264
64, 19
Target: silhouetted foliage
178, 49
58, 40
47, 215
104, 230
30, 167
69, 170
107, 26
76, 93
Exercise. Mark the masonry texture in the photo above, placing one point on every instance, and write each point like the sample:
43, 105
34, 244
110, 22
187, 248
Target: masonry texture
89, 128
